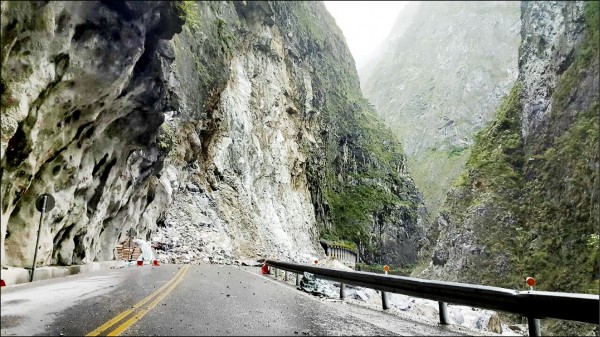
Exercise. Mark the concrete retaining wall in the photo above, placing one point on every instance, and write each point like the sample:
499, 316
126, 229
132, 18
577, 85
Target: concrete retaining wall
347, 257
12, 276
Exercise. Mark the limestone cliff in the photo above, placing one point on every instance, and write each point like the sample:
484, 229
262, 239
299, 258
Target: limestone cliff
527, 202
231, 129
81, 102
437, 80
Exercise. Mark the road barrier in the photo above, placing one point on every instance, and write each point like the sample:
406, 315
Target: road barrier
534, 305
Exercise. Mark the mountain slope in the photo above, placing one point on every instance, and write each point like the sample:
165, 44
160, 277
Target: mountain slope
527, 202
438, 79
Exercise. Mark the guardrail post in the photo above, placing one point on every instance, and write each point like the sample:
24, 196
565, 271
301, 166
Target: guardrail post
285, 276
297, 280
276, 272
384, 300
342, 291
571, 307
534, 326
443, 313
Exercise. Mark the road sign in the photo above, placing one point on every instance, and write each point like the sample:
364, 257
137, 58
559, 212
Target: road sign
44, 203
386, 268
39, 202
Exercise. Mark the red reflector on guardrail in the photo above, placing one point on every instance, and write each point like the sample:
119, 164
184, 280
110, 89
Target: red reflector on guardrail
140, 263
530, 281
2, 283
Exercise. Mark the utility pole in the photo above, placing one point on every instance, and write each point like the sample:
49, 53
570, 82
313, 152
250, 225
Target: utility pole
130, 251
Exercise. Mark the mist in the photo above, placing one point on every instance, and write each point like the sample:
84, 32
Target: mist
365, 24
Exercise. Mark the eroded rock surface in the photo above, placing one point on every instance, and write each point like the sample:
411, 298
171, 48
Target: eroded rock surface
80, 114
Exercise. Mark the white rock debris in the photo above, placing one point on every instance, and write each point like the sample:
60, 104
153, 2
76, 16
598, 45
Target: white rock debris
472, 318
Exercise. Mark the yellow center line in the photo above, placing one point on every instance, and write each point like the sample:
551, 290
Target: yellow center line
125, 313
141, 313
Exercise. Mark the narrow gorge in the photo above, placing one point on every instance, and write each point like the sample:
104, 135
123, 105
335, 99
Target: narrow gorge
496, 104
239, 131
437, 80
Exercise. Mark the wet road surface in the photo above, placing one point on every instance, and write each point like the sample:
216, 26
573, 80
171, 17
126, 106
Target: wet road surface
188, 300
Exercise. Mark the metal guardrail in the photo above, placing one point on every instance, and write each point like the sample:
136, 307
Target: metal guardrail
532, 304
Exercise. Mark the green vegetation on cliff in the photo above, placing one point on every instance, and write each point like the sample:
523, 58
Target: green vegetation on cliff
488, 193
364, 180
357, 173
438, 78
562, 212
189, 13
497, 153
534, 205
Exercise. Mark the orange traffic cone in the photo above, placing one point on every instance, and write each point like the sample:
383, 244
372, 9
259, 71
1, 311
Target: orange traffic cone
140, 263
265, 269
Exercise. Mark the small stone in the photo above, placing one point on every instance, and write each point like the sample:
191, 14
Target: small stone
192, 187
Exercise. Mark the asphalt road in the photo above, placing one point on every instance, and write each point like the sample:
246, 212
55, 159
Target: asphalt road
190, 300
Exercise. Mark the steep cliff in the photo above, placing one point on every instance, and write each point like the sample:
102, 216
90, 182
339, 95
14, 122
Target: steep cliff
79, 114
437, 80
527, 202
241, 133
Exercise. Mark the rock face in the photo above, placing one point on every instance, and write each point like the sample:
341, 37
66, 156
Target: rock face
79, 115
239, 134
527, 202
438, 79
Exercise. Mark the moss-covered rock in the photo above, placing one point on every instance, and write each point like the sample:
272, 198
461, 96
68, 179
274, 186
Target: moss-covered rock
527, 202
357, 175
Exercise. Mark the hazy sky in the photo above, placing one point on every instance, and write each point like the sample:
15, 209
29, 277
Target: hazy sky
365, 24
